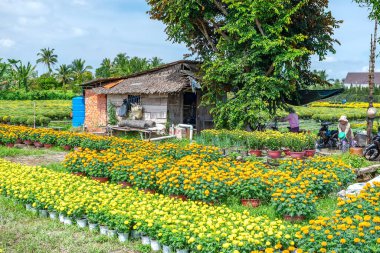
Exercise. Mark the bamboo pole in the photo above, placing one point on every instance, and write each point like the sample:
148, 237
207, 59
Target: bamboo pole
371, 80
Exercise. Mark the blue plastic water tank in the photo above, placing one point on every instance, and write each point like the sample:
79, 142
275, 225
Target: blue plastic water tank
78, 111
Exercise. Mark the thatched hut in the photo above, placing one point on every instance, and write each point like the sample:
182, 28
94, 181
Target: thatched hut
168, 94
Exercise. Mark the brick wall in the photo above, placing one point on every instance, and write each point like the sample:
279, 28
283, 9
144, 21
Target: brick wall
96, 111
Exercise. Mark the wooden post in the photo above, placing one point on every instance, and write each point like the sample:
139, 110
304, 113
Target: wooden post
371, 80
34, 114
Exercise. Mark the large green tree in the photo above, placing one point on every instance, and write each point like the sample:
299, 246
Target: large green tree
104, 71
22, 73
255, 51
48, 58
5, 74
64, 75
81, 71
123, 65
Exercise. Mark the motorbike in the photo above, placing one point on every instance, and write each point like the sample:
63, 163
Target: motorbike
372, 151
327, 138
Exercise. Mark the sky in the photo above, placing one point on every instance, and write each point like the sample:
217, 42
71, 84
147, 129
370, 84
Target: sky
96, 29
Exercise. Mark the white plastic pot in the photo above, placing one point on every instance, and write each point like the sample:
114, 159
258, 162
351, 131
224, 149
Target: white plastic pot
82, 223
61, 218
135, 234
111, 233
53, 215
103, 230
34, 210
167, 249
28, 207
68, 221
43, 213
93, 226
155, 245
145, 240
123, 237
182, 251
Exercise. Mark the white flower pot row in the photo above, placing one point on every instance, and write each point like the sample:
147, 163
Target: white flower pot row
122, 237
156, 246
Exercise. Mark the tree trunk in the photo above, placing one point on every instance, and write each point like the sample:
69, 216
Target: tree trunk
371, 77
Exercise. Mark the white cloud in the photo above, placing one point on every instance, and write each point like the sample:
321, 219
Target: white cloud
6, 43
91, 30
29, 21
24, 7
78, 32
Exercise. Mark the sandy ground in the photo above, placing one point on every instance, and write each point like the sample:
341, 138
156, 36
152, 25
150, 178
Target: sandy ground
38, 160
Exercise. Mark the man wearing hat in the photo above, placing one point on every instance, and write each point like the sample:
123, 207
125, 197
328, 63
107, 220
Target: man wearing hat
345, 127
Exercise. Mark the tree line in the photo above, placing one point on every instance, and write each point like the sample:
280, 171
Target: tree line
16, 75
255, 53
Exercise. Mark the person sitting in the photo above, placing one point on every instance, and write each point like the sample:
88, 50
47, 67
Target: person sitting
345, 127
293, 120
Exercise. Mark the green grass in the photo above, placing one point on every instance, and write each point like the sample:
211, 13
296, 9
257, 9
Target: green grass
325, 207
5, 151
262, 210
58, 167
354, 161
22, 231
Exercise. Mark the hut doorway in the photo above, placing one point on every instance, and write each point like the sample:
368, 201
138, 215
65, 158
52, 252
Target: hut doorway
189, 108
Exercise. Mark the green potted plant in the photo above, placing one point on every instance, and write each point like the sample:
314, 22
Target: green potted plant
122, 226
8, 138
297, 144
99, 170
48, 140
255, 145
295, 203
274, 144
252, 192
310, 145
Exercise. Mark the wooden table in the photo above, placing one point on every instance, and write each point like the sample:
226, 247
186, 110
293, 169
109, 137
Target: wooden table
145, 134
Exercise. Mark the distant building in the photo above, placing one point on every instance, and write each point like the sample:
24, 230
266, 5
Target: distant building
359, 79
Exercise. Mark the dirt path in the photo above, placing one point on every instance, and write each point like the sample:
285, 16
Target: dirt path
37, 160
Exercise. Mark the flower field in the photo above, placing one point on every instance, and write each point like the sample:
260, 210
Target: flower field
194, 225
272, 140
178, 224
346, 105
201, 173
11, 134
329, 113
21, 112
355, 226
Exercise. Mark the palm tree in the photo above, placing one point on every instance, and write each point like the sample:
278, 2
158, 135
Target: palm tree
5, 69
79, 69
137, 64
22, 73
47, 57
64, 75
104, 70
155, 62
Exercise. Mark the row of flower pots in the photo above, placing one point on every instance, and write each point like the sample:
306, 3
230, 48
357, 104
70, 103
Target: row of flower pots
36, 144
274, 154
104, 230
244, 202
